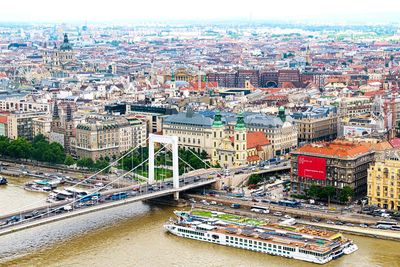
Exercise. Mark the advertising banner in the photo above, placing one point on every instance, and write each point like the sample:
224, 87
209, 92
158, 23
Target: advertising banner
312, 167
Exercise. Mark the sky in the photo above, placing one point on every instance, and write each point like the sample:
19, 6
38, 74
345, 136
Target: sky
206, 10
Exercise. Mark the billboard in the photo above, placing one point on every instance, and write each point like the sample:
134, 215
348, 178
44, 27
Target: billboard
355, 131
312, 167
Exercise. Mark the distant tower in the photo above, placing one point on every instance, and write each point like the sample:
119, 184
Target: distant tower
240, 141
69, 113
56, 122
308, 56
218, 135
173, 83
281, 114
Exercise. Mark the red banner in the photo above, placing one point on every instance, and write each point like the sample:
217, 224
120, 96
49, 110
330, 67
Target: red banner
312, 167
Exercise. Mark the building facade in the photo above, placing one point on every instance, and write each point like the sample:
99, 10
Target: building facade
336, 164
384, 184
108, 137
316, 124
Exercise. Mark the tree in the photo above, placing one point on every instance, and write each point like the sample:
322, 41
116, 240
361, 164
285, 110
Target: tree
101, 164
314, 191
4, 144
20, 148
328, 192
69, 160
85, 162
346, 194
254, 179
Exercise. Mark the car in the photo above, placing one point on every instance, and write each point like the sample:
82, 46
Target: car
330, 222
205, 203
213, 203
339, 223
239, 172
287, 216
67, 208
349, 224
363, 225
278, 213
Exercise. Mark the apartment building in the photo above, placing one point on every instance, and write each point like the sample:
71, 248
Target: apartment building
384, 184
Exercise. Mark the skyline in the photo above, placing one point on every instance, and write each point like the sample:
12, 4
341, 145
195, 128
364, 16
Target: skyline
310, 11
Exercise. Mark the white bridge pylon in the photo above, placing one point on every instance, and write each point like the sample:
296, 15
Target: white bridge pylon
165, 139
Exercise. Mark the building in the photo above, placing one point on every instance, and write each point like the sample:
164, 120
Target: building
228, 143
20, 124
21, 105
3, 125
194, 130
59, 58
108, 136
316, 124
41, 125
62, 129
152, 115
336, 164
288, 76
280, 130
384, 184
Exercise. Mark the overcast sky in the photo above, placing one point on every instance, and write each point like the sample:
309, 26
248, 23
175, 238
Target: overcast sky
161, 10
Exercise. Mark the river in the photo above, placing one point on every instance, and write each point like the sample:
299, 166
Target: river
132, 235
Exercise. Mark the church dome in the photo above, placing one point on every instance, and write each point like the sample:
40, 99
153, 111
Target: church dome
66, 46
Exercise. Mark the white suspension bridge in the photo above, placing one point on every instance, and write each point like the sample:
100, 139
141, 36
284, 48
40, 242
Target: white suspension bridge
103, 198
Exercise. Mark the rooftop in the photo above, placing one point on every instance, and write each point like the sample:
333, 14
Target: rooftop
340, 149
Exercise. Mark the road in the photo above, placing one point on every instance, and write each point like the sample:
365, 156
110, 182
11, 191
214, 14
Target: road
303, 213
101, 200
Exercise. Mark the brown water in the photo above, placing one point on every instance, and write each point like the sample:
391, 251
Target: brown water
133, 235
13, 196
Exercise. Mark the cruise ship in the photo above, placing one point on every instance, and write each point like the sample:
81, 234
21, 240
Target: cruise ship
300, 243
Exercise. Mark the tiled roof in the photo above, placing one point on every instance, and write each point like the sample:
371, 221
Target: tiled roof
253, 158
341, 149
256, 139
395, 142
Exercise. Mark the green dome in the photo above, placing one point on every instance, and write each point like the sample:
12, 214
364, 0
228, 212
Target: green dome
65, 46
281, 108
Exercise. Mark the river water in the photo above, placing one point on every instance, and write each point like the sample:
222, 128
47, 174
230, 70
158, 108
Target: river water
132, 235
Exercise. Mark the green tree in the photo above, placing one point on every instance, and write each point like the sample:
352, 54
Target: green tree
101, 164
346, 194
314, 191
4, 145
69, 160
85, 162
328, 192
254, 179
20, 148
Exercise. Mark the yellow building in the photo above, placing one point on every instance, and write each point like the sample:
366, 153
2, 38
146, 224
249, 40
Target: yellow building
384, 184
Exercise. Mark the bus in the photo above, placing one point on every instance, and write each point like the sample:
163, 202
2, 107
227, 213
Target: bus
385, 224
259, 209
91, 196
396, 227
119, 196
289, 203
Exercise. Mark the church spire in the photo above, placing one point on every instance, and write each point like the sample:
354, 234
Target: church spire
55, 111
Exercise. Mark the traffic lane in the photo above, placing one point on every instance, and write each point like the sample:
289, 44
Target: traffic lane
47, 212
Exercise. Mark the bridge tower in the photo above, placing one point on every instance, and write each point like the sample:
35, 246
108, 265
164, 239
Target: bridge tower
165, 139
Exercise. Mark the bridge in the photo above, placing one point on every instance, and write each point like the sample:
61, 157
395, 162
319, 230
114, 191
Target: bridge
101, 198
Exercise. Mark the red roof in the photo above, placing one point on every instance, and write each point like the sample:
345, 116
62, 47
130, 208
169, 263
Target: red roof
3, 119
395, 142
203, 85
340, 149
256, 139
253, 158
